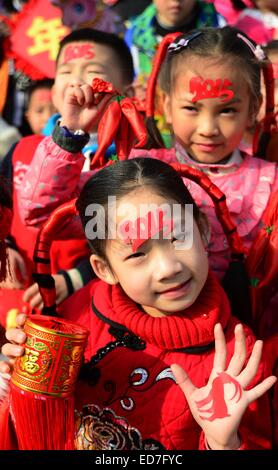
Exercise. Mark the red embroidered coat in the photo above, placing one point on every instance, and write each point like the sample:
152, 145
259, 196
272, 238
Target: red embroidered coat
129, 399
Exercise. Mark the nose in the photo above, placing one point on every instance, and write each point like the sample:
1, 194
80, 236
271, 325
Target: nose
166, 265
208, 126
77, 80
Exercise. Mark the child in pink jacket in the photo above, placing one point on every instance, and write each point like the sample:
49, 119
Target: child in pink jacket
260, 22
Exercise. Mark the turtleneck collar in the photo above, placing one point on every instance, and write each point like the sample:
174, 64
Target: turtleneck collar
189, 23
190, 328
231, 164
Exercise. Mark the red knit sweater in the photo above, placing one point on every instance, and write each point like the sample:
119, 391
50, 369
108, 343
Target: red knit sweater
129, 399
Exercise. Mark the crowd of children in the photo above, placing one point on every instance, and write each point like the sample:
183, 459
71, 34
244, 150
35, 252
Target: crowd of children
162, 315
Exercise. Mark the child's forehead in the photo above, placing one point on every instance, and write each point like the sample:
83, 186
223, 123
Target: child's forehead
86, 50
207, 67
41, 94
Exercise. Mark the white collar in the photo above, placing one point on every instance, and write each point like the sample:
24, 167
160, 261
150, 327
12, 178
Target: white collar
229, 166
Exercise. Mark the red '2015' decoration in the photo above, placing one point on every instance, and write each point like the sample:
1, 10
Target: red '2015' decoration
202, 89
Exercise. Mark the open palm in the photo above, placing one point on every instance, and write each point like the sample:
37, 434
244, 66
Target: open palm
219, 406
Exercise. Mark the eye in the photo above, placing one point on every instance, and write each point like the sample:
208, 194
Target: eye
191, 109
96, 72
64, 72
136, 255
229, 110
180, 239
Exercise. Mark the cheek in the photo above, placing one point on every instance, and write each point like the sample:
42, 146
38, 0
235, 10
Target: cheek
134, 283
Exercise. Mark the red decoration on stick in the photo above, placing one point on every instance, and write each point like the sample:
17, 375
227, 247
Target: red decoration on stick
120, 122
36, 33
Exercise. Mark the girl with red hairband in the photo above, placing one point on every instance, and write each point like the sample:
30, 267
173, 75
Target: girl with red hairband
154, 312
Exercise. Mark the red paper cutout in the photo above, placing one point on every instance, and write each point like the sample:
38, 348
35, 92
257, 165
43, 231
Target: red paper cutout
218, 407
144, 228
36, 33
100, 86
203, 89
78, 51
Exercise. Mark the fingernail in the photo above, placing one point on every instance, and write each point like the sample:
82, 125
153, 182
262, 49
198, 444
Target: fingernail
18, 350
21, 336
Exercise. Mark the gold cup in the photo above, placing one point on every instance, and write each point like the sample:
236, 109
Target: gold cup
53, 356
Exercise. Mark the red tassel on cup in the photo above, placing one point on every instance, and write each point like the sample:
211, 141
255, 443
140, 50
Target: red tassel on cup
42, 384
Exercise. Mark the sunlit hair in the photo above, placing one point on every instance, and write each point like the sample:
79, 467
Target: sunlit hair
221, 45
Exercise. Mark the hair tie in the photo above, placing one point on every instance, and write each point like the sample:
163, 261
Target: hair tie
183, 42
257, 50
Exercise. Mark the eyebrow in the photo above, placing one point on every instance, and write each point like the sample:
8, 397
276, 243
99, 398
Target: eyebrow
233, 101
88, 64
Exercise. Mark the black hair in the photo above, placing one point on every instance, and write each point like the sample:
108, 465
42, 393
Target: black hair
271, 46
5, 194
37, 85
223, 43
126, 176
117, 44
238, 5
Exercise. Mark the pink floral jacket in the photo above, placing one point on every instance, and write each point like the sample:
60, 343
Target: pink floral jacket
55, 176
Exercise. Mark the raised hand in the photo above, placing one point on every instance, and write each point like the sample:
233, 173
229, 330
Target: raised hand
219, 406
82, 108
17, 274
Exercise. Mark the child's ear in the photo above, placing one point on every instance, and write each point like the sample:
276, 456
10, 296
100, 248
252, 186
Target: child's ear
166, 103
102, 270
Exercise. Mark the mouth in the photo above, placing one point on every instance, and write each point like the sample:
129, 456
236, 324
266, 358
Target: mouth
178, 290
207, 147
174, 10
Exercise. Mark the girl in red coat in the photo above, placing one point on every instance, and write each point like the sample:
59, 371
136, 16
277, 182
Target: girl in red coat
155, 312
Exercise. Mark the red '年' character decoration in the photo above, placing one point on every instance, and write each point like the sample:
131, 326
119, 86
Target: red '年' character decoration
35, 37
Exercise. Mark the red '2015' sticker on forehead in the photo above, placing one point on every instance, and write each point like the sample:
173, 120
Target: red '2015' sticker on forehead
143, 228
85, 51
202, 89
